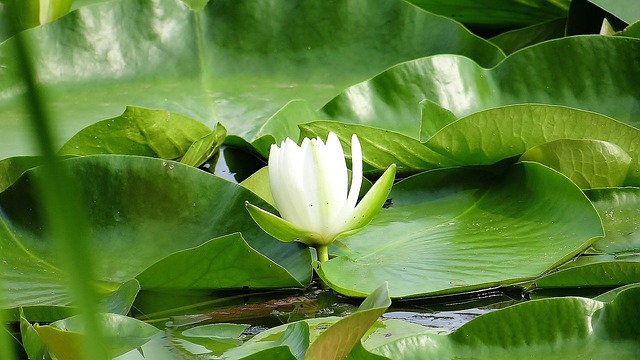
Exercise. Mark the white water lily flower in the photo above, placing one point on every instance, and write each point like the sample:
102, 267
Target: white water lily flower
310, 186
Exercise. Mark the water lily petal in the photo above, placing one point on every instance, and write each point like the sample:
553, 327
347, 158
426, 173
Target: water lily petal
312, 191
330, 184
310, 186
336, 169
356, 171
370, 204
289, 179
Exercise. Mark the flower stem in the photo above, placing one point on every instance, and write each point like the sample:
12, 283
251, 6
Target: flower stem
323, 253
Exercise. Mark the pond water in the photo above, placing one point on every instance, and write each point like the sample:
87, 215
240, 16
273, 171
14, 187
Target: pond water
266, 309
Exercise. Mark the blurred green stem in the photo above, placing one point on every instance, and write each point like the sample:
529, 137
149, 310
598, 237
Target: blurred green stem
65, 218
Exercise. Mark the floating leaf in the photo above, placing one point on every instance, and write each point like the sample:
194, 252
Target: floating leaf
547, 73
494, 13
514, 40
140, 211
588, 163
12, 168
204, 148
227, 262
338, 340
492, 135
380, 147
619, 209
232, 62
138, 131
455, 230
122, 334
558, 328
594, 271
283, 124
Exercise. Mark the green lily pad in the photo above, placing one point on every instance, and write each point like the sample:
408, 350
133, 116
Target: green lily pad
234, 63
380, 147
546, 73
227, 262
122, 333
492, 135
115, 298
497, 13
514, 40
455, 230
619, 209
31, 341
588, 163
560, 328
140, 210
594, 271
330, 338
12, 168
138, 131
628, 12
338, 340
283, 124
204, 148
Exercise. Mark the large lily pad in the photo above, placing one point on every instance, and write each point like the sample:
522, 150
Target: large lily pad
140, 210
581, 72
492, 135
232, 62
562, 328
138, 131
454, 230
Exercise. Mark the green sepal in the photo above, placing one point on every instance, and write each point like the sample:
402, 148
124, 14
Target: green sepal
371, 203
276, 226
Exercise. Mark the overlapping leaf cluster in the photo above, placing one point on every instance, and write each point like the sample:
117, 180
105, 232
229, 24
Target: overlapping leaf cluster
517, 145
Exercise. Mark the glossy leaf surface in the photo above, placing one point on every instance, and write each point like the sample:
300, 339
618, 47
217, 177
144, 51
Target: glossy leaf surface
338, 340
455, 230
122, 334
594, 271
492, 135
497, 12
619, 209
232, 62
547, 73
551, 328
588, 163
138, 131
141, 210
